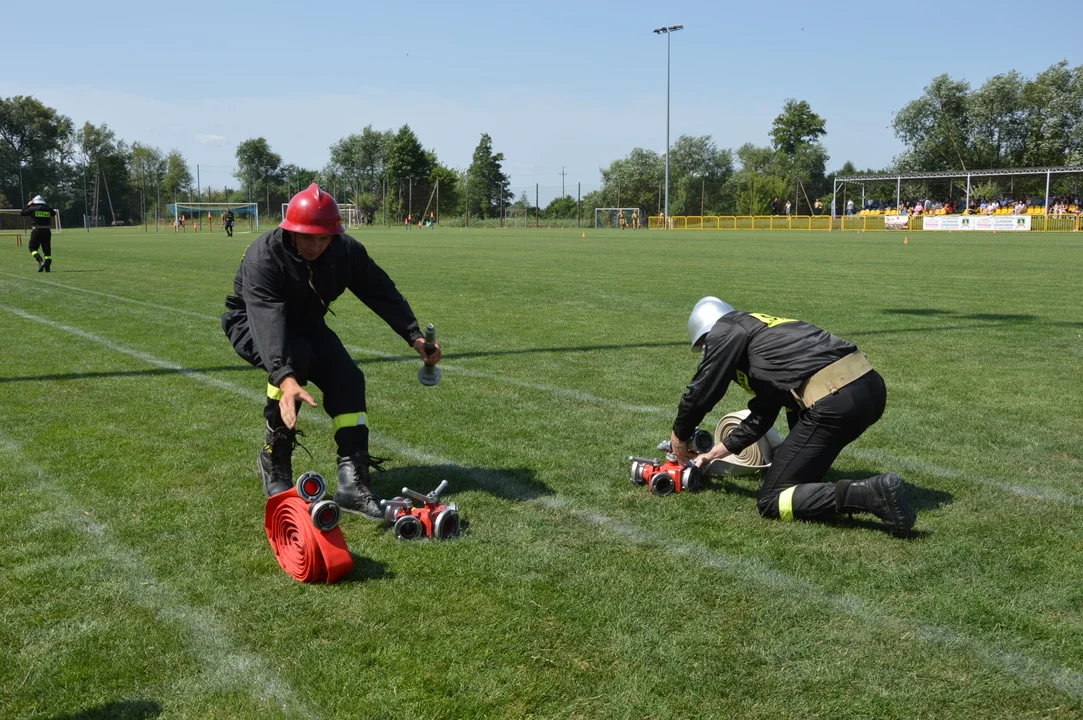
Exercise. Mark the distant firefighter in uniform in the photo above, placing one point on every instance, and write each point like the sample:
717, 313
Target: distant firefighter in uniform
831, 395
275, 320
227, 222
41, 236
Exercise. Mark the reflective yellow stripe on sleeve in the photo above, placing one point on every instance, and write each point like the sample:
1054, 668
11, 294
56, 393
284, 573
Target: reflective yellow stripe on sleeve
785, 504
273, 392
349, 420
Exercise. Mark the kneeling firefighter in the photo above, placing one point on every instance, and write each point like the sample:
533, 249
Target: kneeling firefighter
275, 320
831, 395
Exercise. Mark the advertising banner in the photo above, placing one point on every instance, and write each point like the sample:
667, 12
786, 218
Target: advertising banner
979, 222
896, 222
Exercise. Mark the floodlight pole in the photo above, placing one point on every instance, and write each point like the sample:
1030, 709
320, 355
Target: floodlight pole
667, 31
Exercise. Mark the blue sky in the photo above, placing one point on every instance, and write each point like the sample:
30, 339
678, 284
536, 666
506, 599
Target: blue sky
558, 84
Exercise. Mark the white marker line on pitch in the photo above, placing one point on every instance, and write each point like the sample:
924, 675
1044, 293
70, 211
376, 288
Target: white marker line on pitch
225, 663
1027, 669
1017, 664
904, 463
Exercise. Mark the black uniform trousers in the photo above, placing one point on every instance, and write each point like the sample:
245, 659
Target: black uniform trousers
316, 355
41, 237
794, 487
229, 228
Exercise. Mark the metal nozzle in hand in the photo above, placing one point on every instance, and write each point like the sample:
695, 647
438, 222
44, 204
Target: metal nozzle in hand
429, 374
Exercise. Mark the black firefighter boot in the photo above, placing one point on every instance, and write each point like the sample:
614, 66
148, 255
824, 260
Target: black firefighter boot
883, 496
41, 263
48, 266
354, 493
275, 460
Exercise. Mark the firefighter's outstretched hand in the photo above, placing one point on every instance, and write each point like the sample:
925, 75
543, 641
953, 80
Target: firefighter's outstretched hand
292, 393
718, 452
432, 359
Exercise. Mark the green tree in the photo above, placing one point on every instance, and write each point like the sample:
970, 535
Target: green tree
259, 169
796, 125
488, 182
106, 160
362, 158
177, 178
935, 128
561, 208
451, 195
1053, 104
408, 170
698, 174
631, 181
36, 138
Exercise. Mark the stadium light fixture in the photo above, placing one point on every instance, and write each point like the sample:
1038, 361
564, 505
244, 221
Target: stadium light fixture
667, 30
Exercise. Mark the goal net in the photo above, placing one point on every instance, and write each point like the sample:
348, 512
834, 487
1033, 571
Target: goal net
517, 217
207, 217
12, 221
350, 216
622, 218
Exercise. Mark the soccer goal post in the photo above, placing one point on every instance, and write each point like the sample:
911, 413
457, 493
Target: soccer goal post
206, 216
350, 217
617, 218
12, 222
517, 217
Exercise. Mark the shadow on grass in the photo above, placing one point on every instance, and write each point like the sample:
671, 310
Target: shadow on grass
365, 569
150, 372
744, 485
985, 317
918, 311
121, 710
453, 356
519, 484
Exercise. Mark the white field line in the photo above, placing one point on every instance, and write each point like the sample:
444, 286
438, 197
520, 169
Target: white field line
1029, 670
229, 666
875, 454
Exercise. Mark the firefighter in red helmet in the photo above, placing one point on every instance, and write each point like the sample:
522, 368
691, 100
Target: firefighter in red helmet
275, 319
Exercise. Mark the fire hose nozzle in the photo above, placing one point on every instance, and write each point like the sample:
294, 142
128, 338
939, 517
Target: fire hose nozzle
429, 375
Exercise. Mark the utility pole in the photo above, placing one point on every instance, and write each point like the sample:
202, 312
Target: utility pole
562, 174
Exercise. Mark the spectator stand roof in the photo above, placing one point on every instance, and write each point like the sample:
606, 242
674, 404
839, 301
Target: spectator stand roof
1049, 172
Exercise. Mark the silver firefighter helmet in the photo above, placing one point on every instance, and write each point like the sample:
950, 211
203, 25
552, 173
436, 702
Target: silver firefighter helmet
704, 315
38, 200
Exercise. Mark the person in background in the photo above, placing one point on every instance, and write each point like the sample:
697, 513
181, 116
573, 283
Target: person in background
41, 234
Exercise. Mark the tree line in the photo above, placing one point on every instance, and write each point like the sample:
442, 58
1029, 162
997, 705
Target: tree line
1010, 121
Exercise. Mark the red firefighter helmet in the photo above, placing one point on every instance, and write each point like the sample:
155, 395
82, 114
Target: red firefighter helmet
314, 212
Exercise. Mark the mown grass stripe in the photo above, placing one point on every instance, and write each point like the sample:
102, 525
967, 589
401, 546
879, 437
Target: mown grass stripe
1025, 668
894, 461
228, 665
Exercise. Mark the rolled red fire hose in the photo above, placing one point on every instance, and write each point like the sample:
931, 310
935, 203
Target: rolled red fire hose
304, 552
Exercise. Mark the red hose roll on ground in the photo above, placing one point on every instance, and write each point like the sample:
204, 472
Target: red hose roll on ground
305, 553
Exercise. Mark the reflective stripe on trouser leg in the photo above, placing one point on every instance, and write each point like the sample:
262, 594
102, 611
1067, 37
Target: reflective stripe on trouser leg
275, 393
347, 420
785, 504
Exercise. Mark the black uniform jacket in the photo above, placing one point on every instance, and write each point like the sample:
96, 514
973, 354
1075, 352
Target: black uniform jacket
276, 291
767, 356
41, 215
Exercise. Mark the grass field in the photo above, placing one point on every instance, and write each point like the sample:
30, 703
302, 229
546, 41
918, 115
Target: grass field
136, 580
